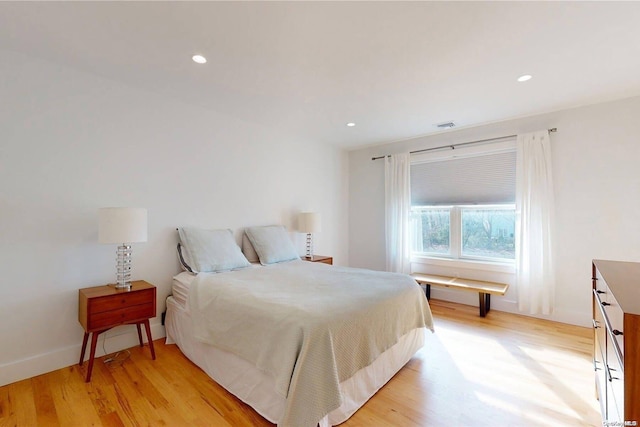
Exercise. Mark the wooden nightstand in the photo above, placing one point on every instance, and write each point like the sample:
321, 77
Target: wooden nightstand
319, 258
104, 307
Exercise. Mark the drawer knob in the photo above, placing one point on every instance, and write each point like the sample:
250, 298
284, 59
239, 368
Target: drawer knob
617, 332
604, 304
611, 377
598, 291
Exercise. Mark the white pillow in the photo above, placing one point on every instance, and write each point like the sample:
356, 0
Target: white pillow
211, 250
272, 244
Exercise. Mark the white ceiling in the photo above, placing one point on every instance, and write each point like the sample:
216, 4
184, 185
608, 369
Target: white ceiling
394, 68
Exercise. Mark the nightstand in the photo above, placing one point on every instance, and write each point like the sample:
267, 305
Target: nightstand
319, 258
104, 307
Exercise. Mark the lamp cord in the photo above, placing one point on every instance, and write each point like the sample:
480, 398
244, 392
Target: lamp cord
116, 357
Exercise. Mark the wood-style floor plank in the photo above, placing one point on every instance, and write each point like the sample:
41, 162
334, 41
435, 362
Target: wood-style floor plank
495, 371
45, 406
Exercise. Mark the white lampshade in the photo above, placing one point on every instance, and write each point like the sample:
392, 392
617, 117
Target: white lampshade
122, 225
309, 222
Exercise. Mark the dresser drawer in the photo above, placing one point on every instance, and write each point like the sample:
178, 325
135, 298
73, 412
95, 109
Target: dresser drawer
606, 305
615, 315
120, 316
600, 329
599, 365
615, 384
601, 287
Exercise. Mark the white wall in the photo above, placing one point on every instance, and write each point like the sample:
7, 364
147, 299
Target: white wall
597, 186
71, 142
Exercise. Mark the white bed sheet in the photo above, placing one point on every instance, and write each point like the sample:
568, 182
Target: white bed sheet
180, 288
257, 389
181, 283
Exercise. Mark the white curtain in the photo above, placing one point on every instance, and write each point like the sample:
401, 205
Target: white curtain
535, 278
397, 198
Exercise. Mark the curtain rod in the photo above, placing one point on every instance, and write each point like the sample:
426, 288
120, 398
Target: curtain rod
453, 146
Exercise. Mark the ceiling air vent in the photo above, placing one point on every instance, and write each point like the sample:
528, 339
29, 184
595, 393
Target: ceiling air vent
446, 125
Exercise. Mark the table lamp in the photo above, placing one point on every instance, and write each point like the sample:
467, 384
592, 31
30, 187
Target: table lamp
123, 226
309, 222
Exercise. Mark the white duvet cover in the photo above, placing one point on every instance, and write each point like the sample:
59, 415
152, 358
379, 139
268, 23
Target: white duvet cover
315, 325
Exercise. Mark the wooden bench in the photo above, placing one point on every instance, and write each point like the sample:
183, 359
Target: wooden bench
485, 289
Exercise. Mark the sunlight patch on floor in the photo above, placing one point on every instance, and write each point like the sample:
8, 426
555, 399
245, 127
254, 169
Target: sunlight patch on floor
546, 392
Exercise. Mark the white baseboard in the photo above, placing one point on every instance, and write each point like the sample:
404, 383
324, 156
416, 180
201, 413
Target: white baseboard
117, 339
510, 306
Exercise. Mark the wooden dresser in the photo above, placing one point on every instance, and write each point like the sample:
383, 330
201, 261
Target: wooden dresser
616, 352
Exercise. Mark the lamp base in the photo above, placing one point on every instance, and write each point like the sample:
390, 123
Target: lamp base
123, 267
309, 252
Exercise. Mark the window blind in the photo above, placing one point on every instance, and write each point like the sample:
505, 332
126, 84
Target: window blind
484, 179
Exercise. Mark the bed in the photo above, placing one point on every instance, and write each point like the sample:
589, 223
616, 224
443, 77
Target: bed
303, 343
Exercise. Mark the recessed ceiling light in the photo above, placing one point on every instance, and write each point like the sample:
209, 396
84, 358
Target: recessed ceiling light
351, 124
524, 78
199, 59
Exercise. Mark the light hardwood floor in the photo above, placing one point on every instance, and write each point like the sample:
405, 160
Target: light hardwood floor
502, 370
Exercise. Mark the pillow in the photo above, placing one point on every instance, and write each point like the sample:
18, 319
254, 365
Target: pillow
182, 258
247, 249
272, 244
211, 250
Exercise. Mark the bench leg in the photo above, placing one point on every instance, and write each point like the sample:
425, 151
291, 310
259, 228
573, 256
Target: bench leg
485, 304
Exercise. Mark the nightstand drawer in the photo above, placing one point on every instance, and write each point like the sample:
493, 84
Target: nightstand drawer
120, 316
124, 299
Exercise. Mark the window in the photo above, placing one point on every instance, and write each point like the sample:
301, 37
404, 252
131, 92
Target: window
488, 232
463, 207
431, 229
481, 232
